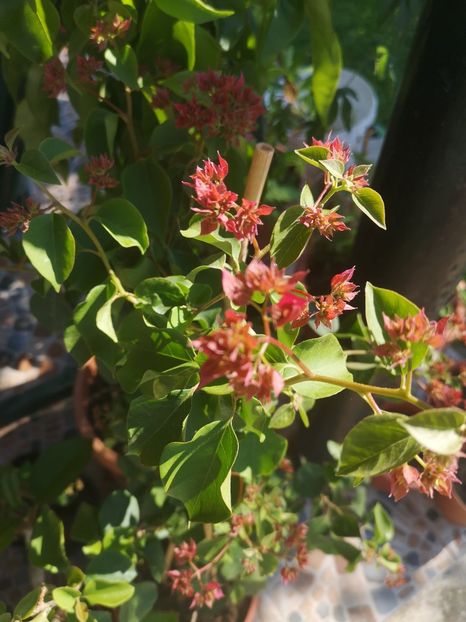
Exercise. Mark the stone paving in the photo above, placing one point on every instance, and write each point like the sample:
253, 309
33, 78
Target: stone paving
324, 591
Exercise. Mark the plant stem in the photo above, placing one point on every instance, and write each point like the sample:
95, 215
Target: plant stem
372, 403
128, 119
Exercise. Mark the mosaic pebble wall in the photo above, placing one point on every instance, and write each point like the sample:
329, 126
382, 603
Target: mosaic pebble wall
324, 591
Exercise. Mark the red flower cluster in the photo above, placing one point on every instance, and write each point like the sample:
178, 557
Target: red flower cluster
161, 98
185, 552
108, 29
403, 332
334, 304
356, 176
210, 592
233, 351
441, 394
54, 78
296, 541
17, 217
325, 221
337, 150
98, 170
439, 473
220, 105
259, 277
86, 67
218, 206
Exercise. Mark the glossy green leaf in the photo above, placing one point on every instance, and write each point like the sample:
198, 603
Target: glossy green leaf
195, 11
312, 155
289, 237
184, 32
282, 417
326, 56
384, 530
230, 245
104, 321
123, 65
112, 566
375, 445
108, 594
50, 247
35, 165
148, 187
144, 598
336, 168
25, 25
208, 54
66, 597
100, 132
323, 356
56, 149
124, 223
58, 466
262, 456
26, 606
379, 301
198, 472
153, 423
47, 545
306, 199
120, 509
440, 429
371, 203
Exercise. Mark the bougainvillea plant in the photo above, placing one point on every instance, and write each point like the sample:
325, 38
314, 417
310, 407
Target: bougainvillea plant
185, 293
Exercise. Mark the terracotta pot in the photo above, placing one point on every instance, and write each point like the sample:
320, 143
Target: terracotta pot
251, 613
107, 457
453, 509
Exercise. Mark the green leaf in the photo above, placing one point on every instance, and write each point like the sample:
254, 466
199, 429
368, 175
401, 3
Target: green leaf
112, 566
336, 168
326, 56
332, 545
24, 24
195, 11
124, 223
379, 301
35, 165
371, 203
58, 466
108, 594
230, 246
144, 598
323, 356
184, 32
26, 606
282, 417
85, 528
289, 237
162, 293
148, 187
313, 155
261, 456
56, 149
47, 545
100, 132
104, 319
66, 597
384, 530
375, 445
153, 423
120, 509
123, 65
306, 199
50, 247
208, 56
160, 384
165, 138
439, 429
310, 480
198, 472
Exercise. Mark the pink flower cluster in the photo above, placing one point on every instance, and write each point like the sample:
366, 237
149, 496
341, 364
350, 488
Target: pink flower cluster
259, 277
439, 473
17, 217
220, 105
337, 150
334, 304
234, 352
218, 206
188, 581
326, 222
98, 170
296, 541
54, 78
403, 332
87, 67
106, 30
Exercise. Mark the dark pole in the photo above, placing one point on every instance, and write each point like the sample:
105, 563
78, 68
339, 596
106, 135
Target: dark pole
422, 176
422, 169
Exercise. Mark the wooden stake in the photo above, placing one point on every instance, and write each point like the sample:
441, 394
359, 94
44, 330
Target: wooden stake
258, 171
